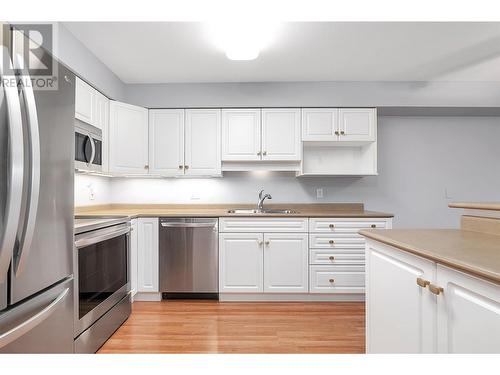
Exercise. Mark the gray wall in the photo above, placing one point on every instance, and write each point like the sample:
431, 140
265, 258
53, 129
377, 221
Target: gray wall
424, 163
83, 62
316, 94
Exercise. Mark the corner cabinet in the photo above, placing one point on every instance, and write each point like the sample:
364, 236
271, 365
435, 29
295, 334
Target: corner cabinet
414, 305
128, 139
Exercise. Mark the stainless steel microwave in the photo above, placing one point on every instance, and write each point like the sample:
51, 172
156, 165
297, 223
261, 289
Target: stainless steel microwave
88, 147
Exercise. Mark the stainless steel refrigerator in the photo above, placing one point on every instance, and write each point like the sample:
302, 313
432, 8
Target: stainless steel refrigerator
36, 214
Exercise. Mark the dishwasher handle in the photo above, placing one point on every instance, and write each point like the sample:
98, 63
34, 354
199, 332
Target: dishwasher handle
188, 225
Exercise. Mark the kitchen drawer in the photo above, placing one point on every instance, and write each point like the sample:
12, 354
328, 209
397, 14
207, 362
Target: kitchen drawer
338, 225
259, 225
336, 257
325, 241
336, 279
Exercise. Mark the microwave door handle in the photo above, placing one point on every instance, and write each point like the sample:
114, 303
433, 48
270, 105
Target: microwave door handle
92, 145
16, 177
34, 140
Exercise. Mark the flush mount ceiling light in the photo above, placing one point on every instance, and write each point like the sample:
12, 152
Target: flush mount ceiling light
241, 40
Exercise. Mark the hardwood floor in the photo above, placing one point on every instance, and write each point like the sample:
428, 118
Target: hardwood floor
234, 327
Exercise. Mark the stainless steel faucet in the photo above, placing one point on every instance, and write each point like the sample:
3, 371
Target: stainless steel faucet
262, 198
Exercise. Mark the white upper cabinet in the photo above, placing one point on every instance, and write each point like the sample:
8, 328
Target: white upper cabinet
203, 142
468, 313
166, 142
281, 134
85, 96
241, 134
128, 139
357, 124
320, 124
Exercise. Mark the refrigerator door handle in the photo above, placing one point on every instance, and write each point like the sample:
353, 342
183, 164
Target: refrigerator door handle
34, 140
26, 326
16, 177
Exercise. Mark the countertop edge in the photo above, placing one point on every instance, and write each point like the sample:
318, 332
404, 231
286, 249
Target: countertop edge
460, 266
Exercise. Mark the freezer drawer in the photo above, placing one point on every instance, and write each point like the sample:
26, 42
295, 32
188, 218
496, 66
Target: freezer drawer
42, 324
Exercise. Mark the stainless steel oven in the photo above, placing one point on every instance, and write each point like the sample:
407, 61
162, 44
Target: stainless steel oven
88, 147
102, 290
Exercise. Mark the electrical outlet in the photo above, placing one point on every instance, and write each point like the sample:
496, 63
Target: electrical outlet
91, 192
195, 197
319, 193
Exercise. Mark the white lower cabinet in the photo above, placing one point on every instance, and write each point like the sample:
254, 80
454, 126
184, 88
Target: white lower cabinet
400, 314
414, 305
147, 255
133, 256
468, 313
285, 263
241, 262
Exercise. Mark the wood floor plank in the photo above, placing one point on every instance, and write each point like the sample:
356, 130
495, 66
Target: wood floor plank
241, 327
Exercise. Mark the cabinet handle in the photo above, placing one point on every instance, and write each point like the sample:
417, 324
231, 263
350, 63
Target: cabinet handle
331, 226
264, 153
146, 166
331, 257
180, 166
342, 132
259, 153
260, 243
267, 243
331, 242
186, 167
422, 283
331, 280
336, 132
373, 225
437, 290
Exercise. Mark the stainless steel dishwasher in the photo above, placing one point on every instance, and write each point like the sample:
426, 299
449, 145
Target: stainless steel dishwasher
189, 257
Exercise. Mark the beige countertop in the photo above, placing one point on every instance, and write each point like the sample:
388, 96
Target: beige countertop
354, 210
473, 252
491, 206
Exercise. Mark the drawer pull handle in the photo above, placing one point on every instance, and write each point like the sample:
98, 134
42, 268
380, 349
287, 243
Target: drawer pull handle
331, 280
373, 226
331, 257
331, 242
437, 290
422, 283
331, 226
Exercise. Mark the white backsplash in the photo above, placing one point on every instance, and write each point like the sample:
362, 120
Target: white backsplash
91, 190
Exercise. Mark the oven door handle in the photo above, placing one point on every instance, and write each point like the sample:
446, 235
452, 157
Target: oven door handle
91, 240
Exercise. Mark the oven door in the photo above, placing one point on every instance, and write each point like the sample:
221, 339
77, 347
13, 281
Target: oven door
102, 272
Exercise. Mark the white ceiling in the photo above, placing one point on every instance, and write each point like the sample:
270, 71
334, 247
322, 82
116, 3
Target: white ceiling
148, 52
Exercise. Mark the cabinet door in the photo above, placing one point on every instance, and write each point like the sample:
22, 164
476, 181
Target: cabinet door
281, 134
84, 102
320, 124
166, 142
240, 262
202, 143
357, 124
128, 138
147, 255
286, 263
400, 315
133, 256
468, 313
241, 134
102, 122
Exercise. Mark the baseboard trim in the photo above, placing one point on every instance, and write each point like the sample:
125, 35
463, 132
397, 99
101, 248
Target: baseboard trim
148, 297
284, 297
